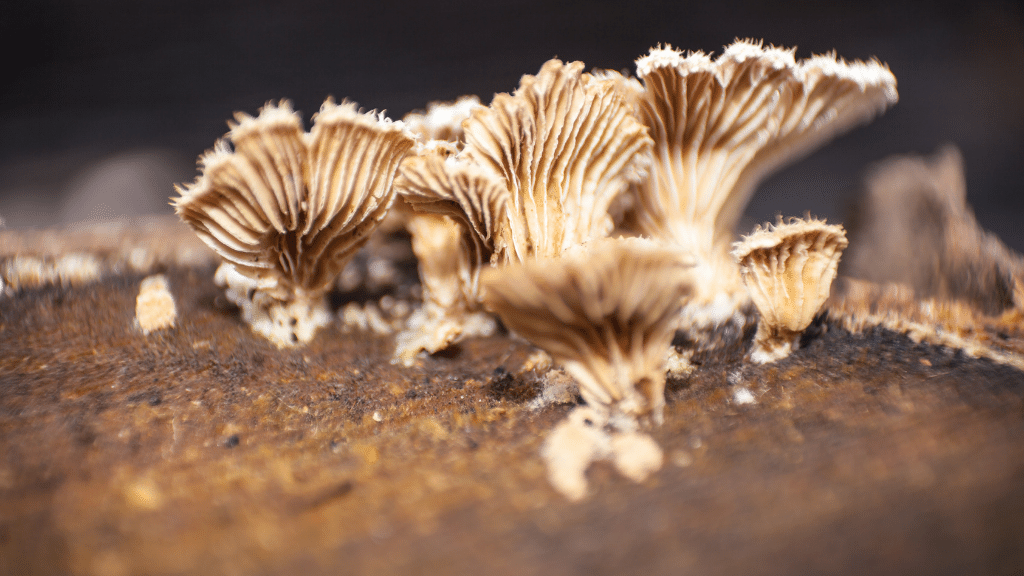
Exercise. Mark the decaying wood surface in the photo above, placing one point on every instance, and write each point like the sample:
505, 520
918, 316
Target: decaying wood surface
203, 449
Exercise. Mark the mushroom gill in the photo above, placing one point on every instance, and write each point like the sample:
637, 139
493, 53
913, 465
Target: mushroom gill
606, 311
721, 125
286, 210
564, 145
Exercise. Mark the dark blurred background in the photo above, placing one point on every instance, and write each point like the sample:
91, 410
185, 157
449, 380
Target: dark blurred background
106, 103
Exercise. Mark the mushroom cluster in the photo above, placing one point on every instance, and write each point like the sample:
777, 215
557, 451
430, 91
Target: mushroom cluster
509, 207
534, 177
721, 126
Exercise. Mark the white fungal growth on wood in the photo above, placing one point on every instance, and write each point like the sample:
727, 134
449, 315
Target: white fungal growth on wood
154, 306
23, 272
586, 436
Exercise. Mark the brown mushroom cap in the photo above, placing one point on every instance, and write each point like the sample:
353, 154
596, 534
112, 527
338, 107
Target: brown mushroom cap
788, 270
607, 311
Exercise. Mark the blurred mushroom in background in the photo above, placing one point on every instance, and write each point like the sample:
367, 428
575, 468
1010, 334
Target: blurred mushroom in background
915, 227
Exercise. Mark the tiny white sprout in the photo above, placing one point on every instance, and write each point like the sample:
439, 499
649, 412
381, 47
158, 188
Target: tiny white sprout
588, 435
636, 455
605, 311
571, 447
720, 126
442, 120
287, 210
788, 270
154, 306
742, 395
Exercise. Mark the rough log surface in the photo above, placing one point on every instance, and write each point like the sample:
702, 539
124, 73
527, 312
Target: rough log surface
203, 449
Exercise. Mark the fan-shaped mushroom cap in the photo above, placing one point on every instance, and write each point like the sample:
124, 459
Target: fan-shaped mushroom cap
565, 145
788, 269
606, 311
721, 125
448, 247
436, 181
287, 210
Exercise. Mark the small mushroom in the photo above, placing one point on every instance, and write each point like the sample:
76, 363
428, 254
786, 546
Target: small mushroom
606, 311
286, 210
449, 253
154, 306
788, 270
721, 125
453, 204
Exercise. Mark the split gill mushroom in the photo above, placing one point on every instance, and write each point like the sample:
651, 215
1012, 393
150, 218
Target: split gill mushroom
721, 126
606, 311
788, 270
535, 177
286, 210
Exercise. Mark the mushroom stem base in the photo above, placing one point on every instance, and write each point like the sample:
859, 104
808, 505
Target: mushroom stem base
771, 345
287, 323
